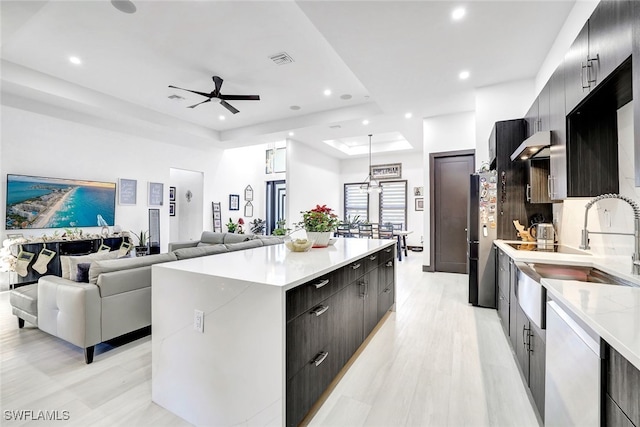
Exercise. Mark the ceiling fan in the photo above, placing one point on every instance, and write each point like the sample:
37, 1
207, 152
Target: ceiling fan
223, 98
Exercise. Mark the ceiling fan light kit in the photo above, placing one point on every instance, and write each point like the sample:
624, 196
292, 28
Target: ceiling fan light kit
216, 94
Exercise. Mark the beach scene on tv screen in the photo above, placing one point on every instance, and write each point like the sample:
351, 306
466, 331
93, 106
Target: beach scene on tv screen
37, 202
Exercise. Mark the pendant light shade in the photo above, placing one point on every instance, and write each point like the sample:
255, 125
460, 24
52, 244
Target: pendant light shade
370, 185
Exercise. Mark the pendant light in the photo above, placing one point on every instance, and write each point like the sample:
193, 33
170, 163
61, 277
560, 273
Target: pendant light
370, 185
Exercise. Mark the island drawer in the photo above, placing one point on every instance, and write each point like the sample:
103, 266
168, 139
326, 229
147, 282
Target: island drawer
308, 295
355, 270
386, 254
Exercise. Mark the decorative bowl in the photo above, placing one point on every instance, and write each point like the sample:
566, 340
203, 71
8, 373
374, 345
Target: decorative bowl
299, 245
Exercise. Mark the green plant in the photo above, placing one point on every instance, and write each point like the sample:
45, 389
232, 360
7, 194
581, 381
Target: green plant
257, 226
231, 226
355, 222
280, 229
319, 219
142, 237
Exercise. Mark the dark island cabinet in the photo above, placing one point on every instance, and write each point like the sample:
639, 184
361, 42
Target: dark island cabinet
623, 389
328, 319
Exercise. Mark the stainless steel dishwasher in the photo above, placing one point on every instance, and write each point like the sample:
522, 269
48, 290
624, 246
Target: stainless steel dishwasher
573, 363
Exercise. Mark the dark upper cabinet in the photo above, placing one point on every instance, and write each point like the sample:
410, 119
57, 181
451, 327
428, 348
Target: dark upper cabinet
557, 183
531, 118
538, 188
576, 85
609, 38
543, 108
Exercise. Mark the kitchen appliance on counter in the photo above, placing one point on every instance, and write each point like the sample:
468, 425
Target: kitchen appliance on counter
545, 236
481, 232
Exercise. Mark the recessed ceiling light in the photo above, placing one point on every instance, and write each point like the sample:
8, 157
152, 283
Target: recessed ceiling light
458, 13
295, 107
408, 115
125, 6
327, 92
221, 117
291, 133
464, 75
75, 60
365, 122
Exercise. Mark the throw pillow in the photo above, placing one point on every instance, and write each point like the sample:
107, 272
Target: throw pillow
69, 264
83, 272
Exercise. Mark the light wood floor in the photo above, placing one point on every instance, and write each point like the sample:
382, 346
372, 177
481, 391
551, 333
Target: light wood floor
436, 361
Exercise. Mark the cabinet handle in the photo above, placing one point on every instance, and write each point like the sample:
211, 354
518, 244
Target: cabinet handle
388, 250
525, 338
549, 186
363, 290
387, 290
590, 68
321, 283
320, 358
355, 266
319, 310
501, 297
583, 66
528, 193
389, 264
372, 258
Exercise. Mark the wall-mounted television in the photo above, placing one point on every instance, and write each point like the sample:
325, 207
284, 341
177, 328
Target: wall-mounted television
38, 202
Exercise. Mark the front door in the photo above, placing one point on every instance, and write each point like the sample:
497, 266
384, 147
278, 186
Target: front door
451, 200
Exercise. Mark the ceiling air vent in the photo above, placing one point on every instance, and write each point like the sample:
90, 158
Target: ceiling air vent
281, 58
176, 97
335, 127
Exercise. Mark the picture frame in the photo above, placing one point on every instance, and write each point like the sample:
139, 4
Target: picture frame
419, 204
248, 193
418, 191
388, 171
215, 206
155, 194
172, 194
234, 202
217, 220
127, 191
172, 209
248, 209
217, 225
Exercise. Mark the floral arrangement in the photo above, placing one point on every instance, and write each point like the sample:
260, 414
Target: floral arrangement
319, 219
233, 227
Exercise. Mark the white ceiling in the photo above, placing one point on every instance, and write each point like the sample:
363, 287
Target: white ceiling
391, 57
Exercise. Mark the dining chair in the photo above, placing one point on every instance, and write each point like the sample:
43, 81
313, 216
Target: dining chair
374, 230
343, 230
365, 230
385, 231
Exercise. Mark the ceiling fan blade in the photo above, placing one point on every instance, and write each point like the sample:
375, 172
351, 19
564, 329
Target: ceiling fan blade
240, 97
208, 95
229, 107
195, 105
218, 82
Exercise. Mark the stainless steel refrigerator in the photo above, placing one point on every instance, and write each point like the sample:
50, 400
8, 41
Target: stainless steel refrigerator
481, 232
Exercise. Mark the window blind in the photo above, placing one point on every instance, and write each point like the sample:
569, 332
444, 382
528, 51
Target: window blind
356, 202
393, 202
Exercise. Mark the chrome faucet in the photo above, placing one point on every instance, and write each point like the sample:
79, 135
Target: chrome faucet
636, 232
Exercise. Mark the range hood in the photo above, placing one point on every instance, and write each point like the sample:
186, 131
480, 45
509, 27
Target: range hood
534, 147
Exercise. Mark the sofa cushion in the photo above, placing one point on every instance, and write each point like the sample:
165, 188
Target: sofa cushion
212, 238
69, 263
270, 240
244, 245
236, 238
120, 281
106, 266
186, 253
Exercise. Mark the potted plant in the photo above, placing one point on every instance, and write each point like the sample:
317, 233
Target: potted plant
142, 247
280, 229
257, 226
231, 226
319, 223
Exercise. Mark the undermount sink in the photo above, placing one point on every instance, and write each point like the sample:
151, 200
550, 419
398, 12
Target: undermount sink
582, 274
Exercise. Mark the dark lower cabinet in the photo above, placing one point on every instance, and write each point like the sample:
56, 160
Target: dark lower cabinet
327, 320
503, 311
623, 389
522, 332
613, 415
537, 355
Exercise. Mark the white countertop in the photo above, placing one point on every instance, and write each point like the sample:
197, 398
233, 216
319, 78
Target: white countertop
613, 312
277, 266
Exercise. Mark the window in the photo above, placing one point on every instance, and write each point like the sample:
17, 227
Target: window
356, 202
393, 202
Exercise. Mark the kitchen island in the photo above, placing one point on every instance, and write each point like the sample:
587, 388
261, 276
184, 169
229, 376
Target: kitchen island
277, 327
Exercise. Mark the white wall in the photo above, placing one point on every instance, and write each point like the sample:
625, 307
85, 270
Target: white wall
234, 171
443, 133
505, 101
569, 215
313, 178
34, 144
355, 170
188, 219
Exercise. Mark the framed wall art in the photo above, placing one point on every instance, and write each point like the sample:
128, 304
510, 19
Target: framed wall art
234, 202
268, 167
248, 193
217, 220
248, 209
156, 194
418, 191
419, 204
172, 209
172, 194
390, 171
127, 191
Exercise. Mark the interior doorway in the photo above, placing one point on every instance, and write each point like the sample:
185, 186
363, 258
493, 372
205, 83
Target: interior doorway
186, 223
449, 200
276, 203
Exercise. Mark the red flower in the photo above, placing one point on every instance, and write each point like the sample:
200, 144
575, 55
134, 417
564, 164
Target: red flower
241, 221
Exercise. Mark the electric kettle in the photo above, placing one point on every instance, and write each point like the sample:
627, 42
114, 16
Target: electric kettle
545, 235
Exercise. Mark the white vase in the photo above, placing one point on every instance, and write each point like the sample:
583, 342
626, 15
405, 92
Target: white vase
321, 238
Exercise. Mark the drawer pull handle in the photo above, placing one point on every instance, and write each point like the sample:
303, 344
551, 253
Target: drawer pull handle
321, 283
387, 290
320, 358
319, 310
389, 264
356, 266
389, 249
372, 257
